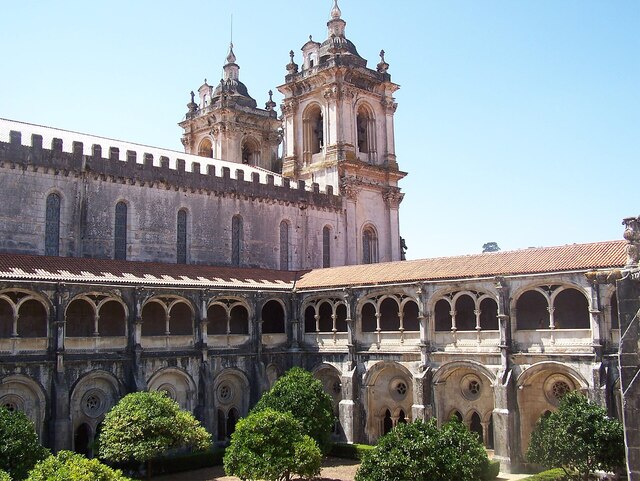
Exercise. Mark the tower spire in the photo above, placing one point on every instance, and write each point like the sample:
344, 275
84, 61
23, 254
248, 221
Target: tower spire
335, 11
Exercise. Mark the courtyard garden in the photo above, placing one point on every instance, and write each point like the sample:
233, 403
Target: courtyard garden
287, 436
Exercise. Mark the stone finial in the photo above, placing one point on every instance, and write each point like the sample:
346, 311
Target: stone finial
383, 66
335, 10
292, 67
231, 57
270, 105
632, 236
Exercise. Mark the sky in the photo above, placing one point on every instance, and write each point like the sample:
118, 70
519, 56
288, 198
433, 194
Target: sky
518, 121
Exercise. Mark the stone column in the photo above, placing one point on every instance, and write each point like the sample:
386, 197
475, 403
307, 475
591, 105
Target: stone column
392, 198
505, 410
61, 429
350, 191
347, 406
628, 292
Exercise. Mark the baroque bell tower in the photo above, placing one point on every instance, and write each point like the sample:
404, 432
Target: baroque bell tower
227, 124
338, 131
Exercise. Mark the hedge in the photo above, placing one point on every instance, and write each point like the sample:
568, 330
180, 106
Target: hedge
350, 451
556, 474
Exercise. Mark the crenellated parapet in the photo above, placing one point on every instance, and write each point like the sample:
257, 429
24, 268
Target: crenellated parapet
122, 162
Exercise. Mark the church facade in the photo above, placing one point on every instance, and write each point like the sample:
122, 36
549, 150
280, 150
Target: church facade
273, 242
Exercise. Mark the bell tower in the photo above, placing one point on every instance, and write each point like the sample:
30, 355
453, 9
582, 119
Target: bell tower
338, 131
226, 123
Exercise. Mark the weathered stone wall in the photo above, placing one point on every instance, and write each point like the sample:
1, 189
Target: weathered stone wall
91, 186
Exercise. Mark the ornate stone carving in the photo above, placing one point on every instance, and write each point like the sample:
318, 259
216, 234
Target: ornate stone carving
393, 197
632, 236
350, 188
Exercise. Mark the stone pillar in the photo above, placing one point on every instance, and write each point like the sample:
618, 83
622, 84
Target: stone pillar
61, 429
628, 292
506, 440
350, 191
392, 198
139, 382
347, 406
422, 407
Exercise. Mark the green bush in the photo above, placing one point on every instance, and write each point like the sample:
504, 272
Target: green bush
4, 476
68, 466
188, 462
145, 425
271, 445
556, 474
299, 393
492, 471
20, 449
350, 451
579, 438
419, 450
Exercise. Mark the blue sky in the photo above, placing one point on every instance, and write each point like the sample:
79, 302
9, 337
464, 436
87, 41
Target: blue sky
518, 120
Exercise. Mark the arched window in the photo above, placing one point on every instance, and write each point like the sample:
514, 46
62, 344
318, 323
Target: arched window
80, 319
181, 237
309, 319
205, 149
365, 124
443, 315
32, 319
236, 240
6, 319
250, 151
284, 246
465, 315
180, 320
217, 319
387, 422
410, 313
52, 226
369, 246
239, 320
341, 318
154, 320
389, 315
272, 318
476, 426
325, 320
489, 314
369, 323
615, 320
571, 310
112, 319
313, 134
532, 311
326, 247
120, 231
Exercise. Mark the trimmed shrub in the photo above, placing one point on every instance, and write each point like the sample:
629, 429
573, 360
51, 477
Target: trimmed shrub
4, 476
299, 393
418, 451
271, 445
556, 474
350, 451
188, 462
579, 438
492, 471
20, 449
68, 466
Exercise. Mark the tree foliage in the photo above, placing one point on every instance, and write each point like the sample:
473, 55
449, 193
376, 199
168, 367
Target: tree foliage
419, 450
4, 476
490, 247
271, 445
20, 449
68, 466
145, 425
299, 393
579, 438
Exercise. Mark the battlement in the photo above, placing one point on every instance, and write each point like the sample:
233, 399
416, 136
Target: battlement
64, 150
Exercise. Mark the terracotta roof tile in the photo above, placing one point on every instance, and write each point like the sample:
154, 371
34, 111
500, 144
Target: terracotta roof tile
74, 269
597, 255
574, 257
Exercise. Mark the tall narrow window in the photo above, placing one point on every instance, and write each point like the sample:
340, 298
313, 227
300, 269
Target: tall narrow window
120, 232
284, 246
369, 246
326, 247
181, 241
236, 240
52, 226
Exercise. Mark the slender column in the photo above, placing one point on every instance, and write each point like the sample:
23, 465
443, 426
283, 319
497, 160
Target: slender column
60, 413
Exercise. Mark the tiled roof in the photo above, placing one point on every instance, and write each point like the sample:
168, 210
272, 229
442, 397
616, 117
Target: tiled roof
574, 257
597, 255
107, 271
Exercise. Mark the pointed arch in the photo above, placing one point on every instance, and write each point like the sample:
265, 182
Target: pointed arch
120, 231
284, 245
181, 236
205, 148
52, 225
